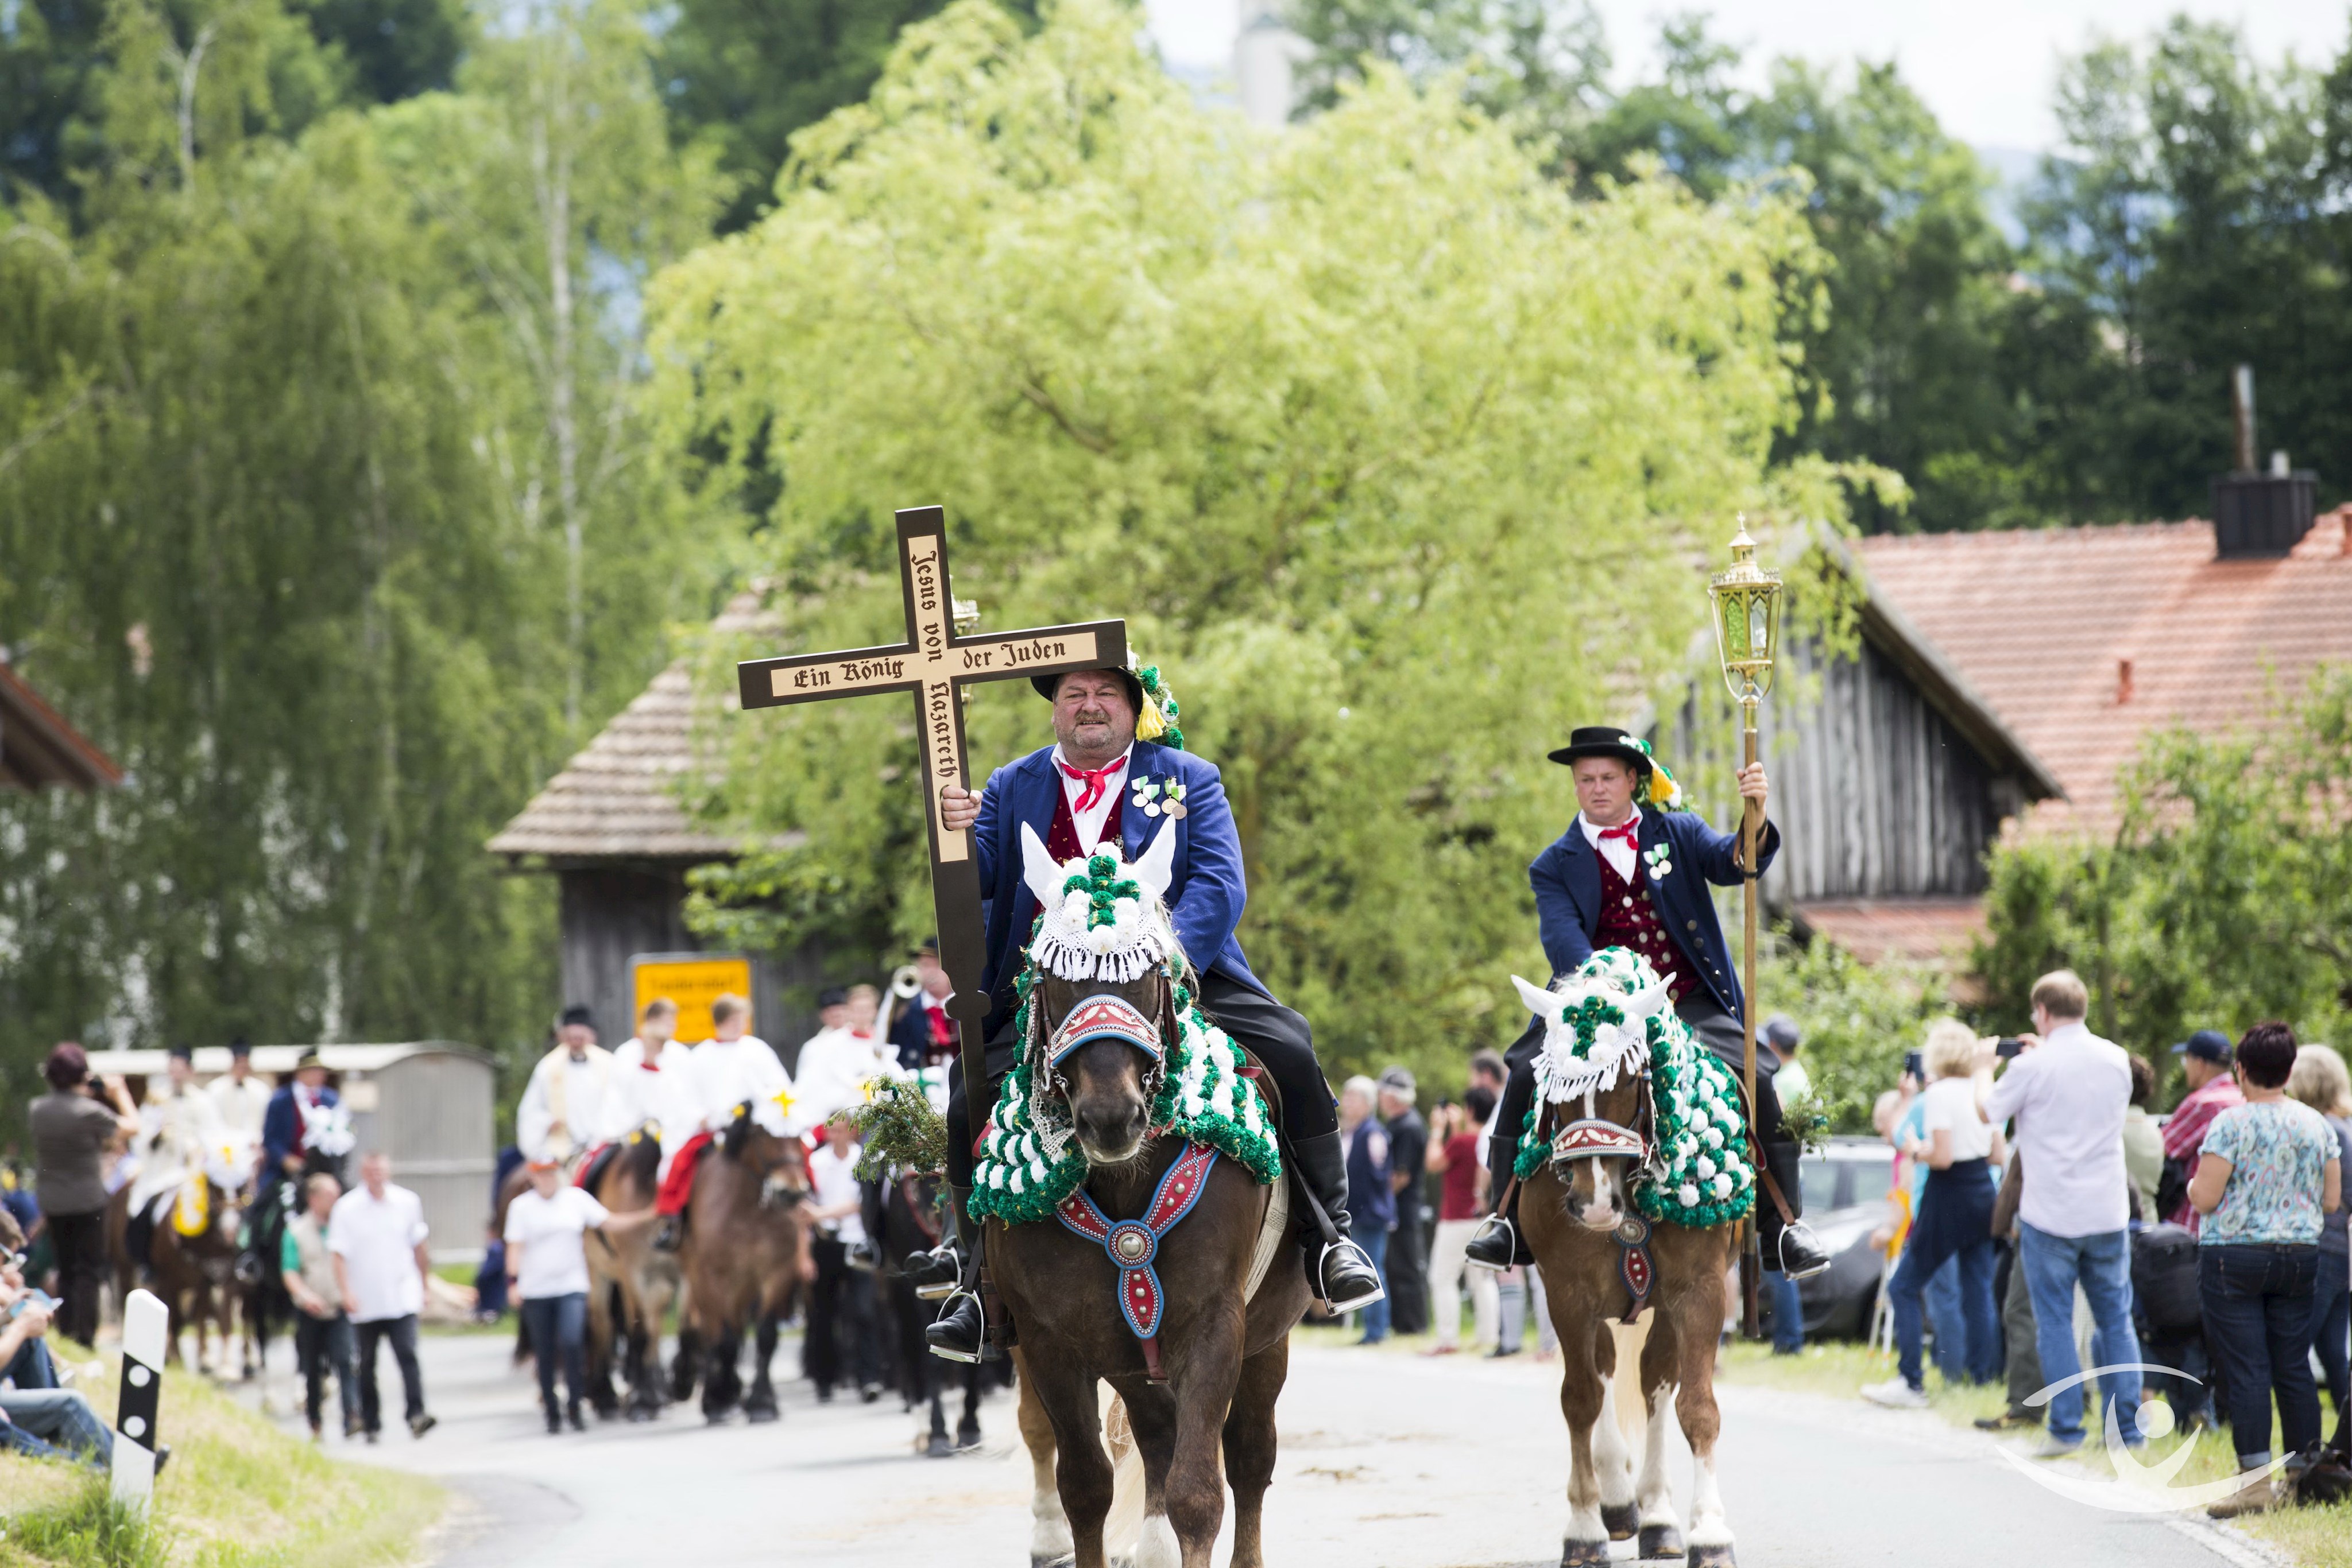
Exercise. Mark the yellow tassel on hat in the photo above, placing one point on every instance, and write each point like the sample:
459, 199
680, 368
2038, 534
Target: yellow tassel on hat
1148, 725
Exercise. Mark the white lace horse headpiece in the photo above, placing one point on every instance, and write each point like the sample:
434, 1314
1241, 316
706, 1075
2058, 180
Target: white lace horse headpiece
1597, 1022
1105, 918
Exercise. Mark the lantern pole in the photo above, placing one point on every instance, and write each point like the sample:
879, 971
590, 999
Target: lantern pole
1746, 626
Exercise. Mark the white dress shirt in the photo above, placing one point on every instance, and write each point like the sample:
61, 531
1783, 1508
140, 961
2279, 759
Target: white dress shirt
728, 1071
835, 1066
2068, 1094
1620, 853
242, 1105
549, 1123
835, 1178
377, 1240
664, 1093
1090, 822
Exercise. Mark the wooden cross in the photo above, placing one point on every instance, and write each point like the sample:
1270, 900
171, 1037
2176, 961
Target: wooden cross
933, 663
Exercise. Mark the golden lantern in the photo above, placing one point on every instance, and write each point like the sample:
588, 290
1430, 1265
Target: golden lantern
1747, 601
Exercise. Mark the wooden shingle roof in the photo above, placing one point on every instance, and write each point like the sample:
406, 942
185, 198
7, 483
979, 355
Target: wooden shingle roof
618, 799
38, 748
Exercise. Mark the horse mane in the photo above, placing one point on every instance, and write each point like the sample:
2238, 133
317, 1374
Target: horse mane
739, 1131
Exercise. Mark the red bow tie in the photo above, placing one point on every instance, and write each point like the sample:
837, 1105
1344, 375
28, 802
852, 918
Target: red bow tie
1096, 779
1630, 829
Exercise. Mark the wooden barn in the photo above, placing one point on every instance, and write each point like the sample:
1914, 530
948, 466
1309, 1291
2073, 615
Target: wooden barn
613, 830
2010, 676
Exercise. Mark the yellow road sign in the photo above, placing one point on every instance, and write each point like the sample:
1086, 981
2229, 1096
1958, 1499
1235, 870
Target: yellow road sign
692, 980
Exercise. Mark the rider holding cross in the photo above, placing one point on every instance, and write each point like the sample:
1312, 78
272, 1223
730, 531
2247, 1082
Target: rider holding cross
1105, 779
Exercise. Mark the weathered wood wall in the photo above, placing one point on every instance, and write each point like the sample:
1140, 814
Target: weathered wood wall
609, 914
1877, 794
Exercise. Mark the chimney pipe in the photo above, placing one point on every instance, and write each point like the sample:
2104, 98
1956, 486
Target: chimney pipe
2242, 415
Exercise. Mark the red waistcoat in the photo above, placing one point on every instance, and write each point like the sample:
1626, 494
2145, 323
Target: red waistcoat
1628, 919
1062, 838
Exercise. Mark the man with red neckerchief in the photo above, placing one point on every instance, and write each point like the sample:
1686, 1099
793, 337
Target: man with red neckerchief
1117, 774
1627, 876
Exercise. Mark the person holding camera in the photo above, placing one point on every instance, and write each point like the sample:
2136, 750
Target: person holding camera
2066, 1089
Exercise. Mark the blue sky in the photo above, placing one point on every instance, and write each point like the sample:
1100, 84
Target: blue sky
1986, 67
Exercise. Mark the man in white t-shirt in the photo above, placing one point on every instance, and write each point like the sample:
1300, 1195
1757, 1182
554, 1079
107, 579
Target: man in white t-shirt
376, 1232
842, 1345
547, 1272
2067, 1089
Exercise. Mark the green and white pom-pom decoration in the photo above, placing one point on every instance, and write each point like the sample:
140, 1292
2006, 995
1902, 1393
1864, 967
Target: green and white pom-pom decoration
1604, 1017
1104, 919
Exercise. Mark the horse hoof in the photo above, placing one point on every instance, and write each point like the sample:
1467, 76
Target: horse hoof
1583, 1554
968, 1436
1064, 1560
1622, 1520
1715, 1557
1661, 1541
940, 1448
759, 1415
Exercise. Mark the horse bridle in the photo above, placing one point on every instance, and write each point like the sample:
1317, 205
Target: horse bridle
1106, 1015
1596, 1138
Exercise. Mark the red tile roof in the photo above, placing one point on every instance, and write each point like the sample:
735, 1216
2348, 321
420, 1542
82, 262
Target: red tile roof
1874, 929
2084, 640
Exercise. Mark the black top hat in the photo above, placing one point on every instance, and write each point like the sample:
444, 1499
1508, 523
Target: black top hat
1602, 740
1046, 685
183, 1051
579, 1012
929, 948
240, 1046
832, 997
2207, 1045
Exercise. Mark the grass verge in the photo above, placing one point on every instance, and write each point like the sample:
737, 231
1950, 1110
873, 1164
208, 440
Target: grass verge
237, 1493
2314, 1537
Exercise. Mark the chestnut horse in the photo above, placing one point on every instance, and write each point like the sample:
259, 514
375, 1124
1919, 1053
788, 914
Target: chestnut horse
1225, 1353
745, 1259
194, 1275
1571, 1211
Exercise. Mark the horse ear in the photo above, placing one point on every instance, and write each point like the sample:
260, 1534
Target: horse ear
1540, 1002
1038, 870
1158, 866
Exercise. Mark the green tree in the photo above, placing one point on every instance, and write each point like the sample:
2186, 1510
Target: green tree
746, 74
278, 527
2220, 900
1393, 455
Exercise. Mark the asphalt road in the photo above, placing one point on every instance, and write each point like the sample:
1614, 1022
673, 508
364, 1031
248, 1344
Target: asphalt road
1388, 1461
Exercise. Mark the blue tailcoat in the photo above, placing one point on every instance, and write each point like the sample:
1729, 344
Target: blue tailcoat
1204, 896
1567, 880
281, 1128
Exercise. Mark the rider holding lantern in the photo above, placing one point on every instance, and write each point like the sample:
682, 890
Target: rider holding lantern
1117, 773
1628, 877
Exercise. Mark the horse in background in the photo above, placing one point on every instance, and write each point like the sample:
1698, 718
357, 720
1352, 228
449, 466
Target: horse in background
191, 1264
746, 1262
1636, 1137
908, 1205
631, 1284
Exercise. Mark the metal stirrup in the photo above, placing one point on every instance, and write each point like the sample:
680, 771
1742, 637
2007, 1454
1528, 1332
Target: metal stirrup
1322, 1267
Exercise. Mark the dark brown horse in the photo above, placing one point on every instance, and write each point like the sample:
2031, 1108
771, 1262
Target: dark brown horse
745, 1259
1226, 1353
910, 1223
194, 1275
1572, 1210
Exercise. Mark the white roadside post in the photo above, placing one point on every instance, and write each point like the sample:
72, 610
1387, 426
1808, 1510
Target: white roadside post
145, 1324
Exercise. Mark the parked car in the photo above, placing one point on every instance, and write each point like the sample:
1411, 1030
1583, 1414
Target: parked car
1846, 1184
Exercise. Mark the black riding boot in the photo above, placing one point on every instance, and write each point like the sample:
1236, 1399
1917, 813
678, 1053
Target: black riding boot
960, 1333
1342, 1276
1497, 1245
933, 1274
1791, 1249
